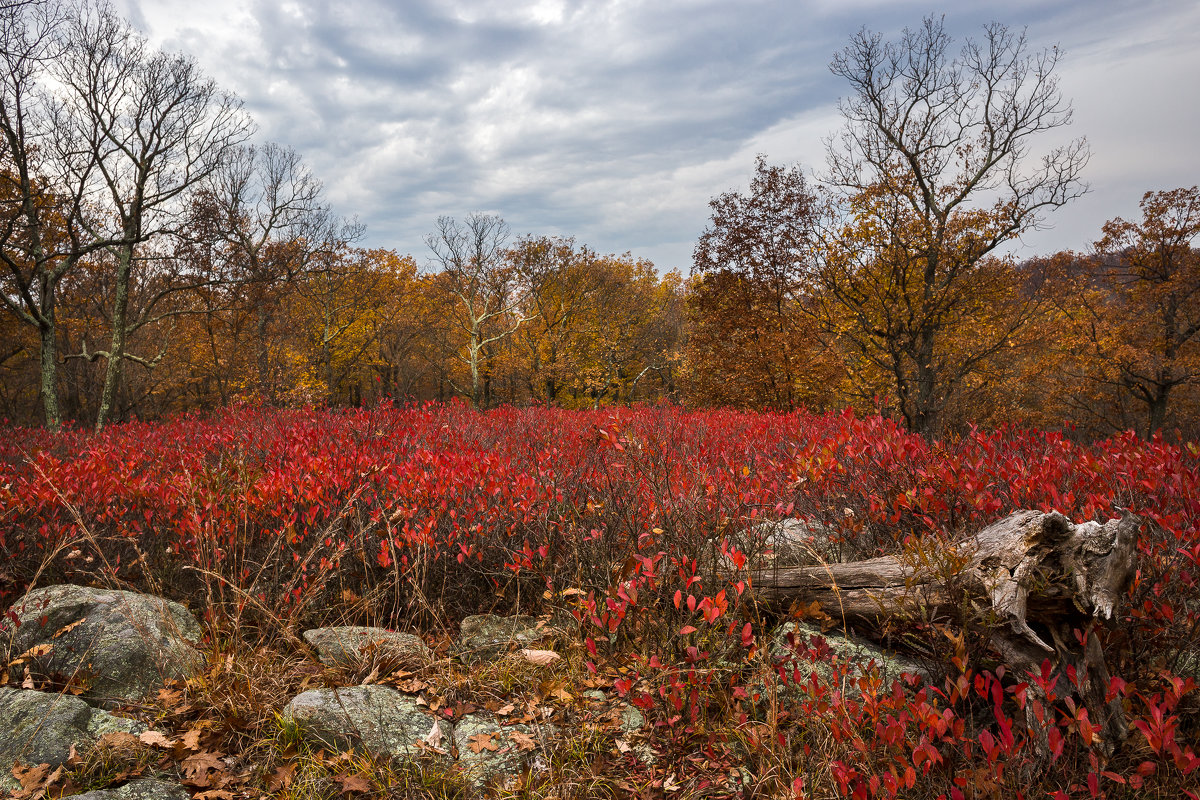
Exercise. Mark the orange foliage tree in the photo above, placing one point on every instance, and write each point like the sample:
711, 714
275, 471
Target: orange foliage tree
933, 164
1134, 314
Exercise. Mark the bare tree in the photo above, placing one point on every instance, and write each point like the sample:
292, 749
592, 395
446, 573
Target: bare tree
143, 128
473, 263
265, 210
936, 164
39, 210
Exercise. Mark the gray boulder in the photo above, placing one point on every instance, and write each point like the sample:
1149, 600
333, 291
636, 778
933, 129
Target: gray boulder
123, 645
353, 645
375, 718
40, 728
486, 637
141, 789
475, 736
793, 542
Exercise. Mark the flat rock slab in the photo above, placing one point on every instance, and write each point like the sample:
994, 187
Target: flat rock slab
856, 653
143, 789
121, 645
40, 728
486, 637
351, 645
375, 718
489, 753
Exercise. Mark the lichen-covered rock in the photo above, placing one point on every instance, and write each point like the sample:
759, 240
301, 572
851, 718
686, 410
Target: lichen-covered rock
627, 717
40, 728
141, 789
486, 637
121, 645
375, 718
489, 753
353, 645
790, 542
846, 650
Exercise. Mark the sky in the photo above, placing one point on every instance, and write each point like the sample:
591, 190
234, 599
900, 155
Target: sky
616, 122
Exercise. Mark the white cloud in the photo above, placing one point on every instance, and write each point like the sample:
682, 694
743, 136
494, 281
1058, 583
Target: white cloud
616, 122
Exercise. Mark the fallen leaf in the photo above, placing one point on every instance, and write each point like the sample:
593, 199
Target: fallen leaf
32, 778
482, 741
54, 776
155, 739
67, 628
191, 739
215, 794
119, 740
540, 657
523, 741
33, 652
197, 766
353, 783
505, 710
434, 737
623, 746
411, 686
281, 778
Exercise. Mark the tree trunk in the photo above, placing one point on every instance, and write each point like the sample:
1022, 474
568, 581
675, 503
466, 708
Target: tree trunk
48, 332
1035, 576
116, 351
262, 354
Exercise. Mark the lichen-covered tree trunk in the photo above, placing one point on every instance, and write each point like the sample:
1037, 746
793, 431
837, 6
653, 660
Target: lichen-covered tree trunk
116, 350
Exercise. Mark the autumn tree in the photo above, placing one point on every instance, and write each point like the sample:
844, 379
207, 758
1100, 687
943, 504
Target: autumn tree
750, 343
405, 335
343, 293
936, 172
1134, 312
628, 337
263, 220
475, 271
144, 127
42, 208
561, 281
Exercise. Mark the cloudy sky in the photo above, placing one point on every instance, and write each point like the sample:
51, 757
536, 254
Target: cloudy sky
615, 121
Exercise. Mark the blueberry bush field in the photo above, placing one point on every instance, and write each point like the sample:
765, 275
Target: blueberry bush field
626, 526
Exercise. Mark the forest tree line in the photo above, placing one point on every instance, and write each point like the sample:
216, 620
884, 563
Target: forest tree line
155, 259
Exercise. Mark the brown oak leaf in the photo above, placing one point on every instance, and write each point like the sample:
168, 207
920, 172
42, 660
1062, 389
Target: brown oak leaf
354, 783
196, 768
523, 741
155, 739
540, 657
281, 778
482, 741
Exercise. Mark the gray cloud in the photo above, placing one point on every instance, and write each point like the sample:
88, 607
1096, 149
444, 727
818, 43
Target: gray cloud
617, 121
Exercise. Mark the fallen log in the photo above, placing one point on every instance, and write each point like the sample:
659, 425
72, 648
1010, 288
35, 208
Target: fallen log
1033, 577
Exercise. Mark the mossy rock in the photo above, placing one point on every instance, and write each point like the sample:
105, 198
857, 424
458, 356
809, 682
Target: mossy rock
354, 645
374, 718
121, 645
487, 637
41, 728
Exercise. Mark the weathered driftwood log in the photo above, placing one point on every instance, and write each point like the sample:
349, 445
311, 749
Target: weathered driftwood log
1030, 567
